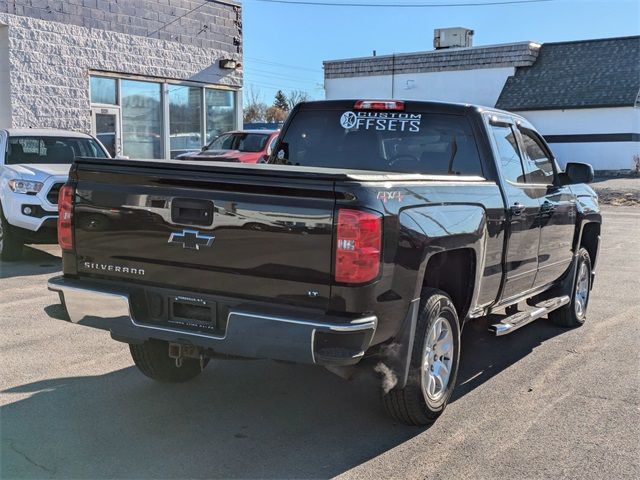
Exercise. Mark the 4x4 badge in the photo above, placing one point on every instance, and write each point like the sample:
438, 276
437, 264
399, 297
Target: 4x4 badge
191, 239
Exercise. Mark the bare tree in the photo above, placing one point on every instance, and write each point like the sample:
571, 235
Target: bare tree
255, 109
295, 97
275, 115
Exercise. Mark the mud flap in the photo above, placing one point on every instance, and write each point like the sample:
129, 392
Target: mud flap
398, 353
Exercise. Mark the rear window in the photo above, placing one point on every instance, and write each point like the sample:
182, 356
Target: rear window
381, 141
243, 142
51, 150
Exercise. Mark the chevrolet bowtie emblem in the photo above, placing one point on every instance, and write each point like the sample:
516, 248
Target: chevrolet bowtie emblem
191, 239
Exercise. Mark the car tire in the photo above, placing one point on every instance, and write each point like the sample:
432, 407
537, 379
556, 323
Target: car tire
424, 398
574, 313
153, 360
10, 243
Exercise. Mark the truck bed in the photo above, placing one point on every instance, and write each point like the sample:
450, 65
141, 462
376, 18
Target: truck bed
267, 170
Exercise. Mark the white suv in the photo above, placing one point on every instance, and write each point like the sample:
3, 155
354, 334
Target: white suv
34, 164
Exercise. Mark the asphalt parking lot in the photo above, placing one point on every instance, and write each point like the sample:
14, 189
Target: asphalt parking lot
542, 402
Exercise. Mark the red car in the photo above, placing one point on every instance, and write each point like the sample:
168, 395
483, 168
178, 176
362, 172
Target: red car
246, 146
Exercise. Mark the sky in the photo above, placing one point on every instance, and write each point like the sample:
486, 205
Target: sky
285, 44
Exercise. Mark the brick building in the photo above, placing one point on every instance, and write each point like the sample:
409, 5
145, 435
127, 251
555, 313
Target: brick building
151, 78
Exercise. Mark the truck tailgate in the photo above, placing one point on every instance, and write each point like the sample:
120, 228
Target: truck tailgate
227, 232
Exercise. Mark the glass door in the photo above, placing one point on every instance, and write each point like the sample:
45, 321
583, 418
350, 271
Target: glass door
106, 128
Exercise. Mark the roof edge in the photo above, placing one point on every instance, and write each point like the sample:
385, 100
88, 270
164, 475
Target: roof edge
573, 107
589, 40
529, 43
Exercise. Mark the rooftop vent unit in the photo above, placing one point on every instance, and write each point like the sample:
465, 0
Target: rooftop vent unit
456, 37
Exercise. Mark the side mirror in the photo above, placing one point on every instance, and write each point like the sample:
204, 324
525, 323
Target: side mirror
204, 148
577, 173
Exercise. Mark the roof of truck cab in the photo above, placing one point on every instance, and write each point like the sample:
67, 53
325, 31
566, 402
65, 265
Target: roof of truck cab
430, 106
451, 107
44, 132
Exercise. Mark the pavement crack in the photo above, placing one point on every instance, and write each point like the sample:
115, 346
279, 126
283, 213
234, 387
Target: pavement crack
30, 460
608, 399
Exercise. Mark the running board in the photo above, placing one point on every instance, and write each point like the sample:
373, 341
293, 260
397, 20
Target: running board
520, 319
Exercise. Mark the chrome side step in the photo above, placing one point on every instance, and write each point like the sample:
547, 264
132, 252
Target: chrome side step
520, 319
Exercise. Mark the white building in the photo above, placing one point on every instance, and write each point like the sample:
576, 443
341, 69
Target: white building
583, 96
150, 78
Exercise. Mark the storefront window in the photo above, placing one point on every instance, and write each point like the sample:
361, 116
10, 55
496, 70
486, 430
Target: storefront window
141, 119
185, 119
103, 90
220, 105
131, 118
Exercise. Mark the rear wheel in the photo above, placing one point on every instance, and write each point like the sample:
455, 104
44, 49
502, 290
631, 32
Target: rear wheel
152, 359
10, 243
434, 363
575, 313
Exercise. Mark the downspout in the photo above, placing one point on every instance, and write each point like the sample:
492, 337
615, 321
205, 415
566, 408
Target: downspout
393, 74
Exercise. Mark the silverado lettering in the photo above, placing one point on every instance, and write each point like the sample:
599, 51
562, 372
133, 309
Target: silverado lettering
112, 268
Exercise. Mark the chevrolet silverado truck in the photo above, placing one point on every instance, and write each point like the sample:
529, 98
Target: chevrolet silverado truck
34, 164
375, 232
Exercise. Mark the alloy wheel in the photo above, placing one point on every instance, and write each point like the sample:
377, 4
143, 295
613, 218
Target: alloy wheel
438, 355
582, 291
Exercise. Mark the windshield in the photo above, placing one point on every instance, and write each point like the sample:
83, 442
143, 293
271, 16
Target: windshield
51, 150
244, 142
382, 141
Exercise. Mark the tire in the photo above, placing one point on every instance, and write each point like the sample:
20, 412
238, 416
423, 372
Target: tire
413, 404
10, 243
574, 314
153, 360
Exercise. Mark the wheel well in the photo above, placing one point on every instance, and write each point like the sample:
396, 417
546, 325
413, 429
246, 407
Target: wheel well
453, 272
589, 240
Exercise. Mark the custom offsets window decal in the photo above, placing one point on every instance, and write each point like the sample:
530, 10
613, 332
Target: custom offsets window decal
383, 121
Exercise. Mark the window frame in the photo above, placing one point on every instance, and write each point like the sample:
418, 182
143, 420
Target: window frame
164, 105
506, 122
117, 91
544, 147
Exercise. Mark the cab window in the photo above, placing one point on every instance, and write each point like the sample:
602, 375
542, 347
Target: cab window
538, 166
410, 142
510, 160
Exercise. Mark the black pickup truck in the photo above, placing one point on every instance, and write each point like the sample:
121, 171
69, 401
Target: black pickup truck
375, 231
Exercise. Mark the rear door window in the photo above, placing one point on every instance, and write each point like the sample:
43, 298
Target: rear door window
538, 165
381, 141
510, 160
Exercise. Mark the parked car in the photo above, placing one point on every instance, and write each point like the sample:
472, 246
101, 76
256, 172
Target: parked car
34, 164
379, 228
245, 146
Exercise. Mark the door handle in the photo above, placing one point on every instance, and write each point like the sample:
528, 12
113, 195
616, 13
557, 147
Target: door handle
189, 211
516, 209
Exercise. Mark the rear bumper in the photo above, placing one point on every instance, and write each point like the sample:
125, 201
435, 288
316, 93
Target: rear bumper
250, 332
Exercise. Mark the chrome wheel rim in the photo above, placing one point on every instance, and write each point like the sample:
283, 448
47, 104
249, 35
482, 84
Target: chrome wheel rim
437, 362
582, 291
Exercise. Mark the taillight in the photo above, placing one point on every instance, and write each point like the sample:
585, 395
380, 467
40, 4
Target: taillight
65, 217
379, 105
358, 243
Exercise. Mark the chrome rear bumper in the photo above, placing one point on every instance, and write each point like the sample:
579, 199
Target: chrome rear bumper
250, 332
